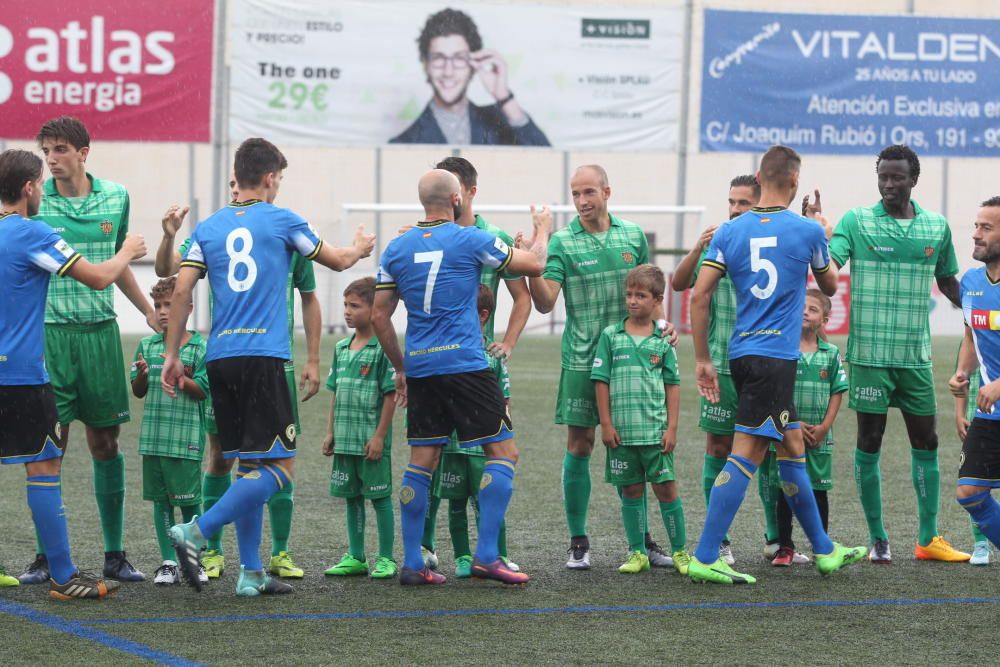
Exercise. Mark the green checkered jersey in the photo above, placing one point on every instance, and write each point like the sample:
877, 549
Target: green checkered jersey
95, 226
721, 320
172, 426
360, 379
893, 264
636, 371
490, 276
819, 376
499, 369
591, 269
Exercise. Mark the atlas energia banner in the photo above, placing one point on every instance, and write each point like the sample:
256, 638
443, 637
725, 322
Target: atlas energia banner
835, 84
364, 73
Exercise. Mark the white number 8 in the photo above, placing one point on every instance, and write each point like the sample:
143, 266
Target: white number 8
238, 257
757, 263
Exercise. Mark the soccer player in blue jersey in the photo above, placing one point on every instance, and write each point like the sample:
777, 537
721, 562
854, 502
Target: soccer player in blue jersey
245, 248
767, 253
435, 268
979, 473
30, 252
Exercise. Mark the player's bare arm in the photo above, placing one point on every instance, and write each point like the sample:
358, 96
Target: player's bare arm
519, 314
130, 288
949, 287
683, 277
958, 385
375, 445
609, 435
706, 375
140, 385
173, 370
345, 257
328, 438
826, 280
312, 321
673, 396
168, 260
386, 301
99, 276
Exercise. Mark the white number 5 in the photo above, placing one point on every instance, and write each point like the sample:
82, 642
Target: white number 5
758, 263
434, 257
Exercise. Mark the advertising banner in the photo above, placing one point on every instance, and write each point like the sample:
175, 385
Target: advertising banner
138, 71
364, 73
850, 84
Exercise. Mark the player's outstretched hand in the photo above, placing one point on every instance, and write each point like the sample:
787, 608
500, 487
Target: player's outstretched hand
172, 374
309, 381
328, 444
541, 221
811, 210
500, 350
958, 385
135, 246
173, 219
707, 379
400, 381
364, 242
609, 436
988, 395
706, 237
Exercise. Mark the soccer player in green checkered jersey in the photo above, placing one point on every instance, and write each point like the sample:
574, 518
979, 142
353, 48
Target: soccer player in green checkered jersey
820, 383
516, 285
588, 260
718, 420
359, 434
896, 248
965, 412
218, 475
172, 439
83, 350
637, 387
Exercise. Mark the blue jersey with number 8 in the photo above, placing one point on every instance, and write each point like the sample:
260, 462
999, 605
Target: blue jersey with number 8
246, 249
767, 253
435, 268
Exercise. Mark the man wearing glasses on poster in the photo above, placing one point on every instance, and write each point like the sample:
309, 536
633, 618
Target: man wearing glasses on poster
451, 51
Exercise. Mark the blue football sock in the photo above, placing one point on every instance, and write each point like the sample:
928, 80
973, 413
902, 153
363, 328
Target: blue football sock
985, 512
45, 501
725, 500
797, 488
257, 482
249, 526
412, 511
494, 495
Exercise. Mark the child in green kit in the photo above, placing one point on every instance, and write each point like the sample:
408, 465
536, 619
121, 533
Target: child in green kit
458, 476
359, 434
638, 399
172, 439
965, 412
820, 383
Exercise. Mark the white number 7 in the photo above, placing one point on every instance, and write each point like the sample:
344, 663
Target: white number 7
434, 258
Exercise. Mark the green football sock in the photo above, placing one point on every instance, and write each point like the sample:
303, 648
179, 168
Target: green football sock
710, 469
39, 549
280, 507
212, 488
356, 527
109, 489
768, 488
163, 519
673, 520
502, 539
576, 492
385, 524
189, 512
927, 484
429, 539
977, 535
868, 478
632, 519
458, 527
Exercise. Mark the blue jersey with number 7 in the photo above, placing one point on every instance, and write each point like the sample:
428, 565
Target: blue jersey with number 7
246, 249
767, 254
435, 268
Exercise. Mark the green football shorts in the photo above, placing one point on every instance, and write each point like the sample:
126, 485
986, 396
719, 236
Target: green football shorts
87, 371
624, 466
576, 404
171, 480
290, 378
353, 475
720, 418
458, 476
875, 390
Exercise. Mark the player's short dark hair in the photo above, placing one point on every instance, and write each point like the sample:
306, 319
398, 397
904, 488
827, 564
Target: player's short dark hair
485, 300
900, 152
363, 288
825, 304
462, 168
746, 181
448, 22
647, 276
164, 287
17, 167
778, 165
68, 128
254, 159
991, 202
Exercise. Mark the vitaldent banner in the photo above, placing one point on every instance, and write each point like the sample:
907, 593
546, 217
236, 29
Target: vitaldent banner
850, 84
140, 70
368, 73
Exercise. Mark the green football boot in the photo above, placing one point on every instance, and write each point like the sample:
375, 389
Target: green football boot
349, 566
463, 567
716, 573
841, 556
636, 562
283, 566
385, 568
681, 561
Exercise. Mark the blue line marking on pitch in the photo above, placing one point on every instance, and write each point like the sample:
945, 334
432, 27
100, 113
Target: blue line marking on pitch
334, 616
77, 629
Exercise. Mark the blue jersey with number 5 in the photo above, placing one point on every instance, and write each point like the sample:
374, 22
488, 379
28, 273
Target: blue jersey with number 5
246, 249
435, 268
767, 253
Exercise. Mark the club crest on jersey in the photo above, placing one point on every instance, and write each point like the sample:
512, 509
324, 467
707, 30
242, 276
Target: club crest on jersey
928, 251
628, 257
189, 371
654, 359
365, 370
107, 227
823, 374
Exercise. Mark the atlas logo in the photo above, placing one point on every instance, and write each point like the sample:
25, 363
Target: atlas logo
619, 466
